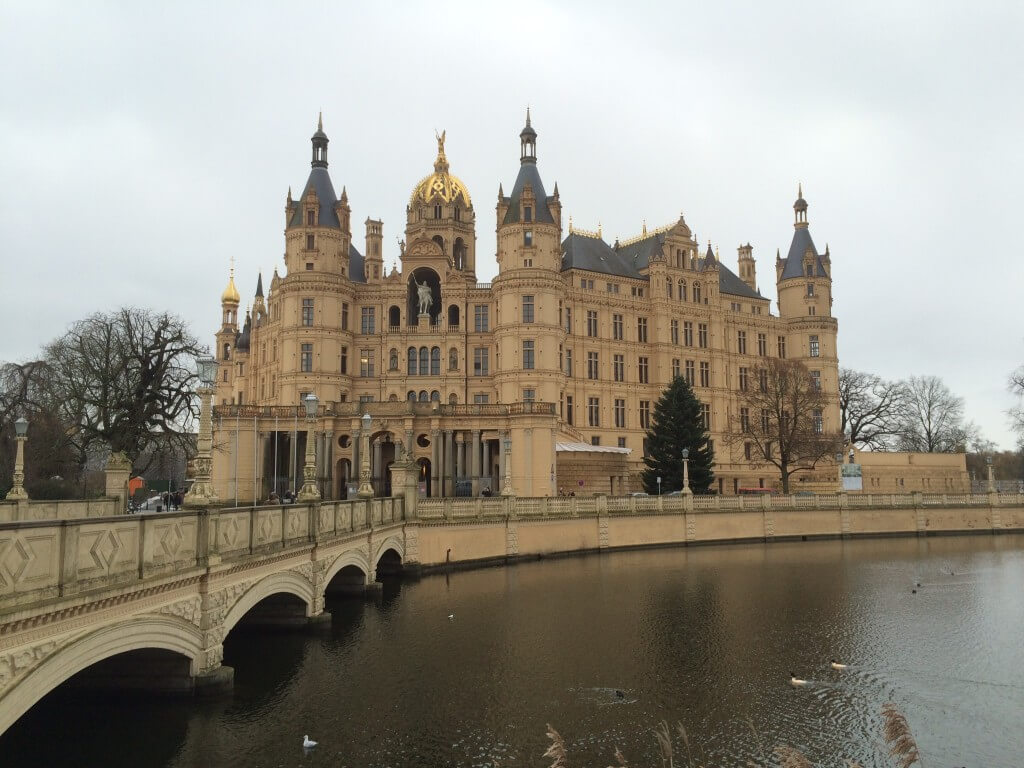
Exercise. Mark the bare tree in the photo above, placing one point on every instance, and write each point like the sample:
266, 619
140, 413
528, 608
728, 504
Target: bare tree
870, 409
123, 377
933, 418
1017, 412
780, 417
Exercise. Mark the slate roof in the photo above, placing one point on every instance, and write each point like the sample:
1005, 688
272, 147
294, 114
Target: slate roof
794, 262
595, 255
356, 272
320, 180
528, 174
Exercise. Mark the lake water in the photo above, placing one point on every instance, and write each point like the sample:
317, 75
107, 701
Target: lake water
705, 636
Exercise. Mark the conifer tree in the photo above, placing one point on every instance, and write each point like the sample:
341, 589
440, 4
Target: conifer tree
677, 424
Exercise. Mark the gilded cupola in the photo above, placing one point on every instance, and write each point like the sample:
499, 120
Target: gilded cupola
440, 186
231, 295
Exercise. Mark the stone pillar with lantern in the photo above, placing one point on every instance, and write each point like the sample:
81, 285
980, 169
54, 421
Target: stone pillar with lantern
18, 492
686, 492
309, 493
365, 486
506, 483
201, 494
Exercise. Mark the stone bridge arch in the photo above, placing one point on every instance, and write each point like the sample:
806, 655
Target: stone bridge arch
354, 558
48, 665
285, 582
390, 544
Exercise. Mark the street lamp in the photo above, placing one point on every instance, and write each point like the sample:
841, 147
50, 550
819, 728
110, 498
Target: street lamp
309, 492
686, 472
201, 493
365, 486
20, 434
839, 466
506, 483
991, 479
659, 485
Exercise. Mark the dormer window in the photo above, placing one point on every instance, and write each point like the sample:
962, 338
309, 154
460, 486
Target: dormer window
810, 269
311, 217
527, 213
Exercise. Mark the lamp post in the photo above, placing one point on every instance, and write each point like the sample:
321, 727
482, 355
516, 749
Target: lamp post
309, 492
991, 479
506, 482
839, 466
20, 432
686, 473
365, 487
659, 485
201, 494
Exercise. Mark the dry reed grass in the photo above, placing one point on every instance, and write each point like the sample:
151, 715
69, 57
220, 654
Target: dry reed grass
899, 738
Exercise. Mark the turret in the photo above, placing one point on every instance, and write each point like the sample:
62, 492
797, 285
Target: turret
747, 266
804, 283
374, 259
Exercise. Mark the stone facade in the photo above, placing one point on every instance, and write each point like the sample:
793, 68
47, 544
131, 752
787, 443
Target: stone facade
896, 472
572, 343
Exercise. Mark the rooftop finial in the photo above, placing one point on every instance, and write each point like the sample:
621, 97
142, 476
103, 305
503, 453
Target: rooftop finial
645, 226
320, 121
441, 163
799, 189
527, 114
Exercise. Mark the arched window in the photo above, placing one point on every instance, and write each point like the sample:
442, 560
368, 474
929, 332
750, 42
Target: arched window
435, 396
393, 398
424, 361
412, 361
453, 359
440, 241
696, 293
423, 396
394, 317
682, 290
227, 351
453, 315
453, 399
393, 360
459, 251
435, 361
411, 395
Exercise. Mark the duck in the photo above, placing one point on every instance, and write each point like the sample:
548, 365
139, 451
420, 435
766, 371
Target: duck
307, 743
619, 694
836, 665
795, 681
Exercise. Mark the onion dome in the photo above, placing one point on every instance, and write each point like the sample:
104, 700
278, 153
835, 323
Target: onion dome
440, 186
230, 295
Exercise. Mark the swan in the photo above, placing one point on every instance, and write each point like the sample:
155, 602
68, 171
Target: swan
307, 743
795, 681
451, 617
836, 665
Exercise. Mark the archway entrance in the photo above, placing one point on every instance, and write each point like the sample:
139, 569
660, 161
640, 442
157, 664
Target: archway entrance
424, 478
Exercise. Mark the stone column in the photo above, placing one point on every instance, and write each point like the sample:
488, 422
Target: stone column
435, 461
449, 460
460, 455
409, 441
357, 443
489, 480
378, 467
475, 471
329, 453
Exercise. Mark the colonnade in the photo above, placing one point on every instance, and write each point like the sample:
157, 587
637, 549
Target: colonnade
462, 462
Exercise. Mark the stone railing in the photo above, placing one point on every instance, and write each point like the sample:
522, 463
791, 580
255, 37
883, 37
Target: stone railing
59, 558
63, 509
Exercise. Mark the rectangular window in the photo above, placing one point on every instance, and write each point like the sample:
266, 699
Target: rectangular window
529, 395
367, 320
690, 378
310, 242
309, 266
311, 217
645, 414
595, 439
480, 398
480, 361
765, 422
687, 333
528, 238
527, 213
641, 329
620, 413
592, 365
594, 411
705, 416
366, 363
619, 367
528, 355
568, 362
366, 398
527, 309
591, 323
641, 369
675, 367
307, 358
344, 360
568, 319
307, 313
747, 452
702, 335
816, 419
736, 306
810, 289
569, 416
344, 316
782, 347
814, 346
705, 374
617, 327
480, 318
741, 342
675, 332
622, 442
762, 344
816, 381
762, 380
744, 379
744, 419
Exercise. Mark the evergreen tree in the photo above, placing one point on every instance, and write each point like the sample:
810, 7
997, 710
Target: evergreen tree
677, 424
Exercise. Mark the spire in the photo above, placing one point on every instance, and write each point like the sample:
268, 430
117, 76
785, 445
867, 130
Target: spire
344, 194
709, 258
528, 142
289, 193
800, 208
319, 141
501, 191
645, 227
259, 285
555, 195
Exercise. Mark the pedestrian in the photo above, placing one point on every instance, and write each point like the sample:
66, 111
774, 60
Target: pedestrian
273, 498
486, 491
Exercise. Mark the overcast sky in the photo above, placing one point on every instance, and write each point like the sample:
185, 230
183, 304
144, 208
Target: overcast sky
142, 146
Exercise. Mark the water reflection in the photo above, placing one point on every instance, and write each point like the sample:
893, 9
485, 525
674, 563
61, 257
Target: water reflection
706, 636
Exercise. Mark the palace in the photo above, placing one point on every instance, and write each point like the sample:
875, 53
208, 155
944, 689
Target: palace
543, 380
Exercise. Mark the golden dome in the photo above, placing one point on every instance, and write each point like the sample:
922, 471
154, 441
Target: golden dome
440, 186
230, 295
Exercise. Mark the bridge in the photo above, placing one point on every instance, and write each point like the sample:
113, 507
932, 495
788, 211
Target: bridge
147, 600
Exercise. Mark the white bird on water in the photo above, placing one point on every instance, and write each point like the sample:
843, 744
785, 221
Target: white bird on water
307, 743
836, 665
795, 681
451, 617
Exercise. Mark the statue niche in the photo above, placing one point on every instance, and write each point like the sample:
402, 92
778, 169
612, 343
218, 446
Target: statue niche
424, 295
